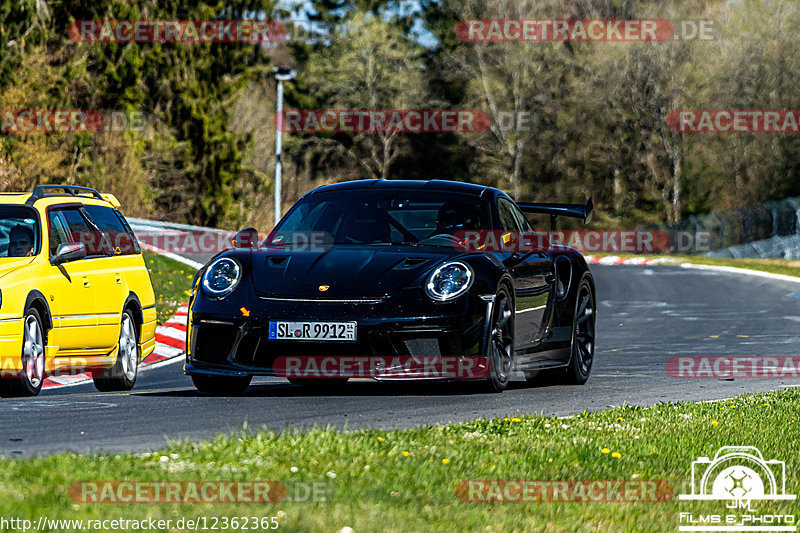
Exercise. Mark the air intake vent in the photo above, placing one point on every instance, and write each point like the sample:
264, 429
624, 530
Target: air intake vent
410, 262
423, 347
275, 260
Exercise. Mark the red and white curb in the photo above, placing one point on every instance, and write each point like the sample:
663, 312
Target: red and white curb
615, 260
170, 337
170, 343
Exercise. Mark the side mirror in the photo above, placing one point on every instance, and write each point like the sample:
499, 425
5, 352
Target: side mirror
246, 238
70, 251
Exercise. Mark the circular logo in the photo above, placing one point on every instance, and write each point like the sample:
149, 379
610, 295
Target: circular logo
738, 482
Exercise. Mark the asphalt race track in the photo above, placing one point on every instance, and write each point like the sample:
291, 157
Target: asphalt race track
646, 315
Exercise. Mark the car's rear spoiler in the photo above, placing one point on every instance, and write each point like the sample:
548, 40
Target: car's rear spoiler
583, 211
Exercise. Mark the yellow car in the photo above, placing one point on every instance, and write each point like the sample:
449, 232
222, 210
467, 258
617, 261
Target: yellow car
75, 294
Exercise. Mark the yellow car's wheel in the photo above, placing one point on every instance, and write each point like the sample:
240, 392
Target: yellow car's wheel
122, 376
29, 381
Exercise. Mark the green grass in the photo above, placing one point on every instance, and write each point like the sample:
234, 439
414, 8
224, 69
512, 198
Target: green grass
377, 487
788, 267
171, 283
775, 266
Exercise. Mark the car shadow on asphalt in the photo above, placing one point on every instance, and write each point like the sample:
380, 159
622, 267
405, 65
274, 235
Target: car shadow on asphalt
354, 389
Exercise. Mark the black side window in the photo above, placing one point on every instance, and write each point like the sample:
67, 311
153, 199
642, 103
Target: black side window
522, 222
59, 232
114, 229
508, 221
69, 225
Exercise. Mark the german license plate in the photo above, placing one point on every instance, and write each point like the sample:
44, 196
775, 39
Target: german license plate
312, 331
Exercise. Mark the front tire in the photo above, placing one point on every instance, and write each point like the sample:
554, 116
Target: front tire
500, 342
220, 385
122, 376
30, 379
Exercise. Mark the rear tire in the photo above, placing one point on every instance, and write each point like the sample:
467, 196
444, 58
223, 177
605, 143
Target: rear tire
122, 376
31, 377
583, 327
581, 348
220, 385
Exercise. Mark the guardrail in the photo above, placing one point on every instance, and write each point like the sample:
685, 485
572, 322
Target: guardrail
188, 244
145, 224
771, 229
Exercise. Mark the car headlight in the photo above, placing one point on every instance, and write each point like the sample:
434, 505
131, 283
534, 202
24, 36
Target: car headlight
221, 277
449, 281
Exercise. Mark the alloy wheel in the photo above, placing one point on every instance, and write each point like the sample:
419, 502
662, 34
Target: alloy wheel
128, 352
502, 340
33, 352
584, 329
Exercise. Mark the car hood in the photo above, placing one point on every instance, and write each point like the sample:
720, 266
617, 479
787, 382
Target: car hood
11, 264
342, 271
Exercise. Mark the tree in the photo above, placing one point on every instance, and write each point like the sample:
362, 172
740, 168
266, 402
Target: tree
371, 65
188, 87
519, 85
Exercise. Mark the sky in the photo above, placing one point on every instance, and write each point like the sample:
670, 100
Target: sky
424, 37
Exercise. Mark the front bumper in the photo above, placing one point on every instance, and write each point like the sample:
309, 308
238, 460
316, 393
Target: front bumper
11, 346
222, 341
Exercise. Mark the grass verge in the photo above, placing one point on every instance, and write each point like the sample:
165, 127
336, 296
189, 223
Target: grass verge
788, 267
406, 480
776, 266
171, 283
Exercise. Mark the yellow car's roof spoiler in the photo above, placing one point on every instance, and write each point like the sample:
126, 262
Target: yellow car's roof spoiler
110, 198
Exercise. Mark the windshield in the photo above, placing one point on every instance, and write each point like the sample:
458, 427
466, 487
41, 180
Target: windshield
381, 217
19, 231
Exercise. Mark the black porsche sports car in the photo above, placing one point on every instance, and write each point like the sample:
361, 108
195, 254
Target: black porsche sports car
395, 280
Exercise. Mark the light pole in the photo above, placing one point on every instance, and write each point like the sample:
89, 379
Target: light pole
281, 75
